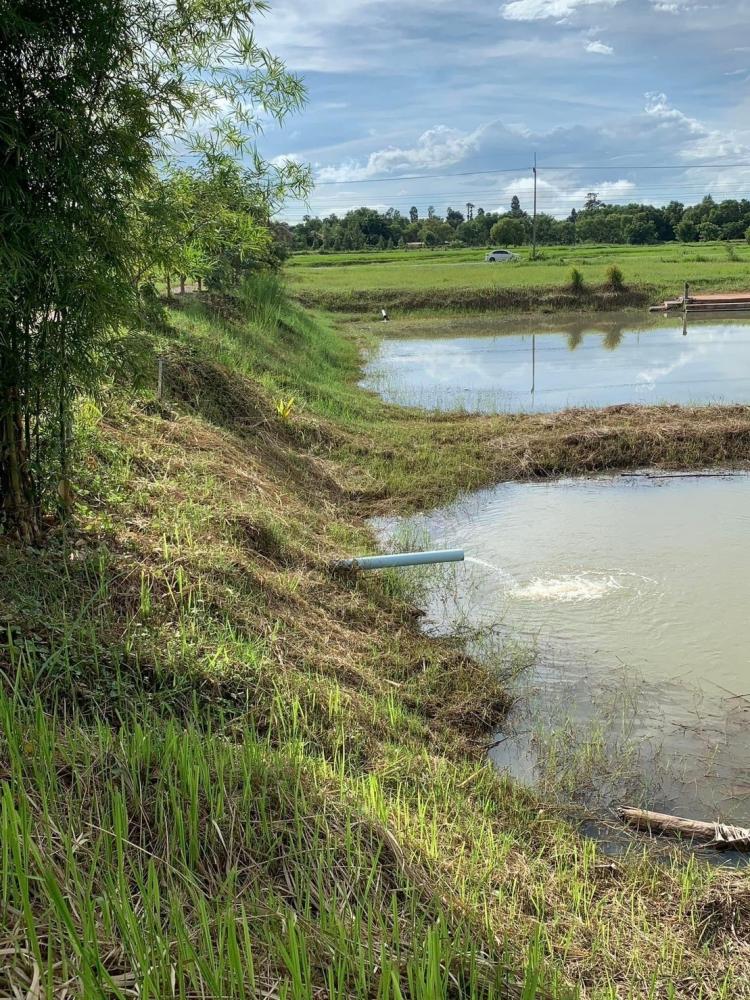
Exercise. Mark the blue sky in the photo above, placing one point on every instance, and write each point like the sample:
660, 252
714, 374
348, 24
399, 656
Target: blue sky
602, 90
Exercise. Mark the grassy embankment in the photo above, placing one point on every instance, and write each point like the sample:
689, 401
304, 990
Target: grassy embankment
227, 772
460, 280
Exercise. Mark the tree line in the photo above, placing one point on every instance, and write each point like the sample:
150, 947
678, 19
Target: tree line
594, 222
127, 155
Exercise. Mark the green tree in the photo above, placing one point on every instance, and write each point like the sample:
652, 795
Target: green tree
414, 214
641, 230
508, 231
708, 231
592, 203
687, 231
441, 231
90, 95
454, 218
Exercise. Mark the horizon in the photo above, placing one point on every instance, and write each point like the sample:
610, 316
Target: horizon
415, 103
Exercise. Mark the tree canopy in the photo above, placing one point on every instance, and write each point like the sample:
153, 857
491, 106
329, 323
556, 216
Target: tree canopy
594, 222
93, 96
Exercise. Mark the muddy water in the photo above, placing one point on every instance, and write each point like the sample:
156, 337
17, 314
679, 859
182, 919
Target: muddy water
482, 366
634, 593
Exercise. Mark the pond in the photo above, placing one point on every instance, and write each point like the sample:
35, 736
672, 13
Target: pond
493, 366
633, 592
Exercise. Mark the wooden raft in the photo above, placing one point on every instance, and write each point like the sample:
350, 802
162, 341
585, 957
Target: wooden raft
716, 302
717, 835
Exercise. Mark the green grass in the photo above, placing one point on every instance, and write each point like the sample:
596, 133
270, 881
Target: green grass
226, 771
660, 270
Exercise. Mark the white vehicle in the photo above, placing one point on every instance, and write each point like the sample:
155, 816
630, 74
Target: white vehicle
500, 257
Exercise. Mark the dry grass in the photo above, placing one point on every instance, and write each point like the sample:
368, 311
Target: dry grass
447, 452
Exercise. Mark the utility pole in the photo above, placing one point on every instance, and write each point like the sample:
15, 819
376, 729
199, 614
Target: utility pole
533, 230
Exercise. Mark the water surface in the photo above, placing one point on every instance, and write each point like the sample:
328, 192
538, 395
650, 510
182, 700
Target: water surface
585, 363
634, 590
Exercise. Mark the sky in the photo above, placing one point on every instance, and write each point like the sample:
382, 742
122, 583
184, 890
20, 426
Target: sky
442, 102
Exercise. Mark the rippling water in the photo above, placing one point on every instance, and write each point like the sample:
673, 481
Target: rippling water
590, 363
640, 579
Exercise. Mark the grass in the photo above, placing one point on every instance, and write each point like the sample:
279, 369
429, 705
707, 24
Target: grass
461, 280
226, 771
389, 459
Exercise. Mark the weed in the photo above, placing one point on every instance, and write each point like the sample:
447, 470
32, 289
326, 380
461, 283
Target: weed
285, 408
615, 279
577, 285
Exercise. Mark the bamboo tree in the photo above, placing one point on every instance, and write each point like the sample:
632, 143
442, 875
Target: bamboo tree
92, 97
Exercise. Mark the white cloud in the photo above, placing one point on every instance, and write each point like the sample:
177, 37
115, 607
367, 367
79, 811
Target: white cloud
559, 198
436, 148
599, 48
672, 6
698, 141
541, 10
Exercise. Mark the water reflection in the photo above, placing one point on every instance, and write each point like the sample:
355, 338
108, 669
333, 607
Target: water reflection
579, 363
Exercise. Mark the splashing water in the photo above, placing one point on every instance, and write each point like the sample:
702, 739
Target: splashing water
567, 589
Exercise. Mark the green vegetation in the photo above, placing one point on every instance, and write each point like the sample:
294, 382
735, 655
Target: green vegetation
594, 222
615, 279
86, 217
229, 772
577, 284
461, 280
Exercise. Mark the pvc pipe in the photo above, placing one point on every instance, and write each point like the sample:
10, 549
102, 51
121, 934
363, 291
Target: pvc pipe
405, 559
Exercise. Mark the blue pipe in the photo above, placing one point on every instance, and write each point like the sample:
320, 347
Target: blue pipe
405, 559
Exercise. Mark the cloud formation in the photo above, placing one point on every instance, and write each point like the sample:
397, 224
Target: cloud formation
599, 48
542, 10
437, 148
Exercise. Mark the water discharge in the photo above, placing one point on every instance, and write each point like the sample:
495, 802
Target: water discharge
635, 593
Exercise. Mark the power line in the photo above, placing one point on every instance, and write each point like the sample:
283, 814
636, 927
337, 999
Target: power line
527, 168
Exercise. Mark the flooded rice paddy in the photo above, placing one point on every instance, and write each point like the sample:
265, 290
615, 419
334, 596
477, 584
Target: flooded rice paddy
632, 592
482, 364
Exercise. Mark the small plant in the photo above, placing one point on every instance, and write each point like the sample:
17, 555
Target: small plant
615, 280
285, 408
731, 252
577, 285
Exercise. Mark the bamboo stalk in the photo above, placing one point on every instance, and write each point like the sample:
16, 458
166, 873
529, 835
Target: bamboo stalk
718, 835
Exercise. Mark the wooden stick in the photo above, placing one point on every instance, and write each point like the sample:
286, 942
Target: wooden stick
717, 834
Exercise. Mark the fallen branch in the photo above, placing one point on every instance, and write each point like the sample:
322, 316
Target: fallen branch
718, 835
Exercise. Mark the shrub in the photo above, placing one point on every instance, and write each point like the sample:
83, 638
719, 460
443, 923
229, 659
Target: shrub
576, 281
615, 280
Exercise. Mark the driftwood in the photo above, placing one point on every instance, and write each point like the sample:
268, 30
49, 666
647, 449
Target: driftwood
717, 835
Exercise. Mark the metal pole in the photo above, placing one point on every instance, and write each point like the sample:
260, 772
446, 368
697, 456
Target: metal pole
533, 226
685, 300
404, 559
